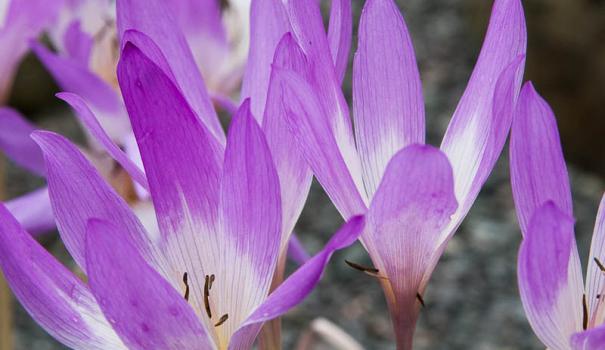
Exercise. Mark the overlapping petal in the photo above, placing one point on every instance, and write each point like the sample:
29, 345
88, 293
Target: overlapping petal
589, 340
340, 31
33, 211
16, 143
595, 279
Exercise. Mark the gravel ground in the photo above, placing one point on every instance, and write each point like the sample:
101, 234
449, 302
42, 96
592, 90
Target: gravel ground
472, 299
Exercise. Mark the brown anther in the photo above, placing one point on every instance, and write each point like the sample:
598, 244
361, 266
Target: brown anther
584, 312
207, 296
599, 264
210, 282
370, 271
186, 281
419, 297
222, 320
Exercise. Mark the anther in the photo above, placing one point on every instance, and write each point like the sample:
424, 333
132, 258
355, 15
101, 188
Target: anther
210, 281
222, 320
371, 271
599, 264
419, 297
584, 312
186, 281
207, 296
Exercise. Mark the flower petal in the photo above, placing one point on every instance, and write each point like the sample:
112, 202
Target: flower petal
16, 143
595, 279
268, 23
412, 204
156, 20
78, 193
182, 164
589, 340
470, 141
388, 107
93, 126
548, 265
72, 76
340, 31
143, 308
53, 296
537, 166
33, 211
78, 43
317, 143
296, 251
296, 287
250, 211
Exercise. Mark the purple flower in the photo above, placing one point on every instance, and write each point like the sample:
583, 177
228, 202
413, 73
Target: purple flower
564, 313
202, 281
415, 195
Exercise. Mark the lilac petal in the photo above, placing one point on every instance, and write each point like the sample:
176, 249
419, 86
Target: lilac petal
88, 118
16, 143
548, 272
268, 23
589, 340
307, 27
340, 31
595, 280
470, 142
538, 171
317, 143
296, 251
157, 20
182, 164
77, 193
33, 211
413, 203
250, 211
385, 69
78, 44
143, 308
51, 294
72, 76
225, 103
294, 174
298, 286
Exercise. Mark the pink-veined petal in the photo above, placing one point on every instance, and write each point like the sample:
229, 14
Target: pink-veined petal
537, 166
589, 340
268, 23
143, 308
547, 270
58, 301
388, 107
412, 204
250, 212
16, 143
340, 31
33, 211
156, 19
93, 126
296, 287
470, 141
595, 279
78, 193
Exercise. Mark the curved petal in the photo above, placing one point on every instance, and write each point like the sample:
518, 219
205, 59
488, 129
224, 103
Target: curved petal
157, 20
93, 126
470, 143
250, 211
78, 43
595, 279
589, 340
51, 294
296, 287
296, 250
340, 31
33, 211
413, 203
548, 264
16, 143
143, 308
268, 23
388, 107
537, 166
78, 193
182, 163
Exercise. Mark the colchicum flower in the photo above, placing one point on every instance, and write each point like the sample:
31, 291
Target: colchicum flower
203, 280
415, 195
563, 312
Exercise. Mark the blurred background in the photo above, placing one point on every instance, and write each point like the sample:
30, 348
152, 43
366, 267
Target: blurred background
472, 300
